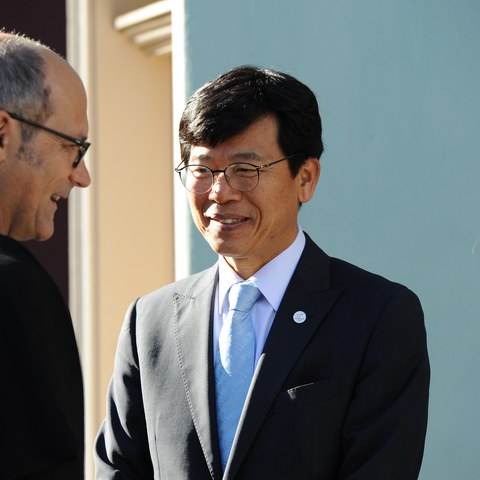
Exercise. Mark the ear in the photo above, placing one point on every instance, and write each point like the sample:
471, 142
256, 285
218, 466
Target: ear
308, 178
4, 128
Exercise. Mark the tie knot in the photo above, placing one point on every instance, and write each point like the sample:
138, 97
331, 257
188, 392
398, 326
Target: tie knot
242, 296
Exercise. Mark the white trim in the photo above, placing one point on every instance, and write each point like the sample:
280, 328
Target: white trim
180, 203
81, 265
149, 27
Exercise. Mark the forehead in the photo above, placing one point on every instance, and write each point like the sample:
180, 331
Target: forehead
66, 87
257, 142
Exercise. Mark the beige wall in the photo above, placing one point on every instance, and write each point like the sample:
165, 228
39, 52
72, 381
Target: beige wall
130, 218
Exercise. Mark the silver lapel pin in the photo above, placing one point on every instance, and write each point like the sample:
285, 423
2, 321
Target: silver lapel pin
299, 317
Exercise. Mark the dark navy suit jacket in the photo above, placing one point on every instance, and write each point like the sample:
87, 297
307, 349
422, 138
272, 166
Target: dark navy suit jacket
342, 395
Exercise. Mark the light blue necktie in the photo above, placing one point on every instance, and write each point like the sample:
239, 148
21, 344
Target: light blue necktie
234, 363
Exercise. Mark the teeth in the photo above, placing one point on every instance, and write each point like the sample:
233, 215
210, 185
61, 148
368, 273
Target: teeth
230, 220
55, 198
225, 220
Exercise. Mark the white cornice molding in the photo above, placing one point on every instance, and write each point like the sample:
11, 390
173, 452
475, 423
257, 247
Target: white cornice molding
149, 27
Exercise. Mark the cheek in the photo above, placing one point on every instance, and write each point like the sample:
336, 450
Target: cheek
280, 198
282, 209
196, 207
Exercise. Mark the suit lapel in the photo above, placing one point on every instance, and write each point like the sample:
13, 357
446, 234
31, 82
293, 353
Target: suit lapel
309, 291
193, 335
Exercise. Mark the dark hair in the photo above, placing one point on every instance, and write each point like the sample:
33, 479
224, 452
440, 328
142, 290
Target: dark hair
228, 105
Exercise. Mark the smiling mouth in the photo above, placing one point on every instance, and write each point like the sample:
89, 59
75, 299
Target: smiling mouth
56, 198
230, 221
227, 220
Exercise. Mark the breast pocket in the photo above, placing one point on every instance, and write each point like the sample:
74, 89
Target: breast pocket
307, 394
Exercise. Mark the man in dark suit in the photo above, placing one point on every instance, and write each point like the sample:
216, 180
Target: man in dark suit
43, 126
338, 384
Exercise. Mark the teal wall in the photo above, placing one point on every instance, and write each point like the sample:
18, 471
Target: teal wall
398, 86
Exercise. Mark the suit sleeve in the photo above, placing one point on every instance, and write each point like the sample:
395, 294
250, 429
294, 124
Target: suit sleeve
121, 447
384, 430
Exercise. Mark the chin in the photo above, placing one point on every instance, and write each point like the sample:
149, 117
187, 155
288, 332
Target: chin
225, 249
42, 238
43, 235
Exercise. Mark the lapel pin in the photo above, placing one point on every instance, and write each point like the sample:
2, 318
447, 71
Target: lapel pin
299, 317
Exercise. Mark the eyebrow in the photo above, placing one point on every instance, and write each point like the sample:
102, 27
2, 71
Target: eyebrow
236, 157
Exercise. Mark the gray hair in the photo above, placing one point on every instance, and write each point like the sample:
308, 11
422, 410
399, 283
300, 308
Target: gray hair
22, 75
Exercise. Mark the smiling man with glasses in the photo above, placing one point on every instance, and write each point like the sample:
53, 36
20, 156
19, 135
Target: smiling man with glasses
43, 130
279, 362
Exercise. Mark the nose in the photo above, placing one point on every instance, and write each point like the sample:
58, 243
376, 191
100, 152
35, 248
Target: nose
218, 177
80, 176
221, 190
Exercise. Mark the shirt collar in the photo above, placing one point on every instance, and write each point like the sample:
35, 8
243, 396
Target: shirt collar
272, 279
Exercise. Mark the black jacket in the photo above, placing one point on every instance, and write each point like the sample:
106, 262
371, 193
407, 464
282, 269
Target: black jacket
41, 399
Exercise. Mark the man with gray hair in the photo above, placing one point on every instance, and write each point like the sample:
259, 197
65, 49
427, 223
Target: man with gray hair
43, 130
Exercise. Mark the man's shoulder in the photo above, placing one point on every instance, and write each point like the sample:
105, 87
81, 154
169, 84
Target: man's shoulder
16, 262
187, 286
361, 291
11, 251
350, 276
159, 305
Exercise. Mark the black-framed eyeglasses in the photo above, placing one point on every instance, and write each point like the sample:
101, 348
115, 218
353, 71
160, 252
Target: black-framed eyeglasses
81, 144
241, 176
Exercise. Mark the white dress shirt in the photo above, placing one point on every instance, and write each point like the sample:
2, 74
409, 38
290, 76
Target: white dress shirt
272, 280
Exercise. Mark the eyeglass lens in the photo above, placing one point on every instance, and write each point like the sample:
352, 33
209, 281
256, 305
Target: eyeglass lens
240, 176
81, 153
